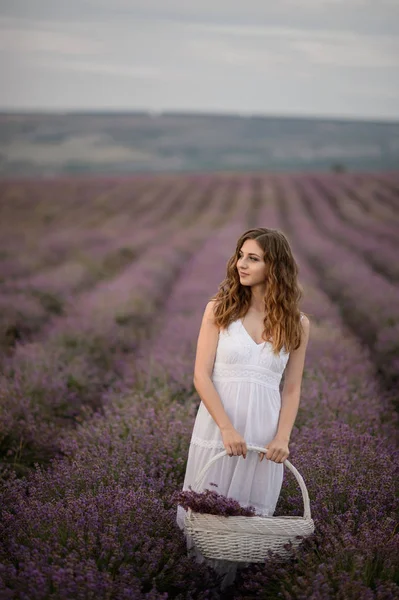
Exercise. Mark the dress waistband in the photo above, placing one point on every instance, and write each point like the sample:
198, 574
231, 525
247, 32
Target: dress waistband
254, 373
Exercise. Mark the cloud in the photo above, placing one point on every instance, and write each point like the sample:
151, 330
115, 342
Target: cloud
339, 15
256, 56
276, 46
220, 51
117, 70
350, 51
26, 41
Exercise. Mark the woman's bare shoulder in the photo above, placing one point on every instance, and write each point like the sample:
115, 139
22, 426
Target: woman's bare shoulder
209, 312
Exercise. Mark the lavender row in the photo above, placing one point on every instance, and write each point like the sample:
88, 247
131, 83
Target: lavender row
152, 428
367, 300
100, 522
28, 302
50, 383
171, 349
372, 216
128, 416
375, 194
386, 192
344, 421
356, 205
36, 216
378, 253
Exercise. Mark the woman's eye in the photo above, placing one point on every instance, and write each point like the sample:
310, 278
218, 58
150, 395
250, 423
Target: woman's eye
251, 257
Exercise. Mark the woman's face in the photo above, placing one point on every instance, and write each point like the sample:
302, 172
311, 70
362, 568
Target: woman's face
250, 264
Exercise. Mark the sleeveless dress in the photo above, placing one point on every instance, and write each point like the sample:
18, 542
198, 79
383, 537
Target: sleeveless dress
246, 376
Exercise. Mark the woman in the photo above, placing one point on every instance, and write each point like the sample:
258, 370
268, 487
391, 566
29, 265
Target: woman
251, 332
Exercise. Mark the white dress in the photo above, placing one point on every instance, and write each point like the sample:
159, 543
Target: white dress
246, 376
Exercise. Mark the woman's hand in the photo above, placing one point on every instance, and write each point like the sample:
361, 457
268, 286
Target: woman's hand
277, 451
234, 443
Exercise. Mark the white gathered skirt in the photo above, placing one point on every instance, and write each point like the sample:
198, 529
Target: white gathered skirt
253, 406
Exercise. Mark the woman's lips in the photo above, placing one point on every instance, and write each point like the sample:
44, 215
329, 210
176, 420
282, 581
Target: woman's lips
243, 274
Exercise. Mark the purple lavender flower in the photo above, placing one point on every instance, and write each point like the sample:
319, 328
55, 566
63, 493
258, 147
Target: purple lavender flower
212, 503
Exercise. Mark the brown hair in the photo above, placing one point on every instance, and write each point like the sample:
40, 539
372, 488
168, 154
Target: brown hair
282, 295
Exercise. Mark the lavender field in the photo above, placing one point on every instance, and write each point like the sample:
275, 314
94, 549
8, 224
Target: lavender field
103, 283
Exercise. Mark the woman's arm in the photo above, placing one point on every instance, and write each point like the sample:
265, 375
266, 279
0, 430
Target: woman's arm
291, 393
204, 361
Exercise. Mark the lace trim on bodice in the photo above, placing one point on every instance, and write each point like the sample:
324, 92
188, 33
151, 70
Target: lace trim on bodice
253, 373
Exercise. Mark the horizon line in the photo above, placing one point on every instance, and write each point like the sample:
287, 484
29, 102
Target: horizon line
178, 112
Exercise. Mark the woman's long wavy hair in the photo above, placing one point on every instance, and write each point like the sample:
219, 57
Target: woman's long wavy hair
282, 295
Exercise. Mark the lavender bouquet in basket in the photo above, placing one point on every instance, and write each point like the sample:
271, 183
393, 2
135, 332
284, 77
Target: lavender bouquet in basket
212, 503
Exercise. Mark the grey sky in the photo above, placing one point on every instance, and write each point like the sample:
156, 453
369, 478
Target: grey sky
291, 57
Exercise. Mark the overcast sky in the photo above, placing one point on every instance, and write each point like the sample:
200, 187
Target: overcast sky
280, 57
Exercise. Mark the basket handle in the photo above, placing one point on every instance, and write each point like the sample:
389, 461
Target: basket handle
286, 462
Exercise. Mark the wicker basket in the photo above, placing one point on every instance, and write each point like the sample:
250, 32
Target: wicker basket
247, 539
